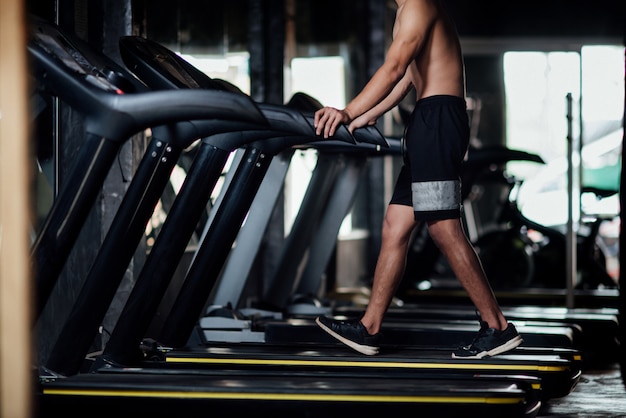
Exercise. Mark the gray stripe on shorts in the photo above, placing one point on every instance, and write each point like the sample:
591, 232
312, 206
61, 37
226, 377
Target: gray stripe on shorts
436, 195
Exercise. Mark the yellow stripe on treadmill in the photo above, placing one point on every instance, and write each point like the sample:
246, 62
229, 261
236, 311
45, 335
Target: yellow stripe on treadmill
397, 365
284, 396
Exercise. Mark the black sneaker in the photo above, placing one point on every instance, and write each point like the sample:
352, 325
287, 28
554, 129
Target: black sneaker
490, 342
351, 333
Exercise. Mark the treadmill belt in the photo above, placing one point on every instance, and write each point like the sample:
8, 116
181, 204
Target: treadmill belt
165, 392
424, 333
597, 335
558, 370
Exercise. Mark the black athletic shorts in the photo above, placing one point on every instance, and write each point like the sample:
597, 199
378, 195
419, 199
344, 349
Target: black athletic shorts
436, 140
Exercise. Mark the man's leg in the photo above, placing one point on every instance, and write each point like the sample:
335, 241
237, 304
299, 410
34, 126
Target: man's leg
363, 335
496, 335
450, 238
396, 233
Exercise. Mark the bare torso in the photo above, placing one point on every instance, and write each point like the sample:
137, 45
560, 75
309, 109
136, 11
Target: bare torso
425, 54
438, 66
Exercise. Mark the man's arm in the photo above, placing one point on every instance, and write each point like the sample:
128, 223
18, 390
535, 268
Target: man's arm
413, 24
400, 90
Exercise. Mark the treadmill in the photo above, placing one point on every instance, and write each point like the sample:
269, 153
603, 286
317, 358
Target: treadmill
280, 127
165, 393
227, 216
115, 107
156, 387
236, 113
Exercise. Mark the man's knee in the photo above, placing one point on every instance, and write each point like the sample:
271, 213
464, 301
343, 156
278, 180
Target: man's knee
398, 223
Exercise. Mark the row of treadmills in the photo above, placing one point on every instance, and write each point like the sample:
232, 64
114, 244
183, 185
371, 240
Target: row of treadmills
236, 361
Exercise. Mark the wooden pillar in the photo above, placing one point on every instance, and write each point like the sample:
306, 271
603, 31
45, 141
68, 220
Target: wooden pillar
15, 280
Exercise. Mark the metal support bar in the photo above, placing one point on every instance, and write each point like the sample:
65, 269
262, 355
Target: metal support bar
570, 236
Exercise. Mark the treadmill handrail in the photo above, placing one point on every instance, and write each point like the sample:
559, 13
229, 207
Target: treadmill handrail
367, 134
170, 71
136, 111
281, 117
342, 133
370, 134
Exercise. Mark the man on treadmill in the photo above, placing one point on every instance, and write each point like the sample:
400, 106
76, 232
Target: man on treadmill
425, 55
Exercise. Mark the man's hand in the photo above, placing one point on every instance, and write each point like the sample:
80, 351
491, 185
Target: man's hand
360, 122
328, 119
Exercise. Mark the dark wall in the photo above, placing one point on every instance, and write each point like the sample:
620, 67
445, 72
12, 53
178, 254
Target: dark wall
539, 18
189, 25
218, 24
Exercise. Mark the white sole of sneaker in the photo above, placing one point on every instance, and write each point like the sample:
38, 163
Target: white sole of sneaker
363, 349
509, 345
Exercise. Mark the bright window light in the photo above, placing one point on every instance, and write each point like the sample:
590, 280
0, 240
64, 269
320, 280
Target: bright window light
536, 84
322, 78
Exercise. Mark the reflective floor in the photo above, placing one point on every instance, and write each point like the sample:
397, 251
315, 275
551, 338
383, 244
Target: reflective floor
599, 394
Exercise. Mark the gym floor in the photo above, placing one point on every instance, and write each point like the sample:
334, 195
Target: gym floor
600, 393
